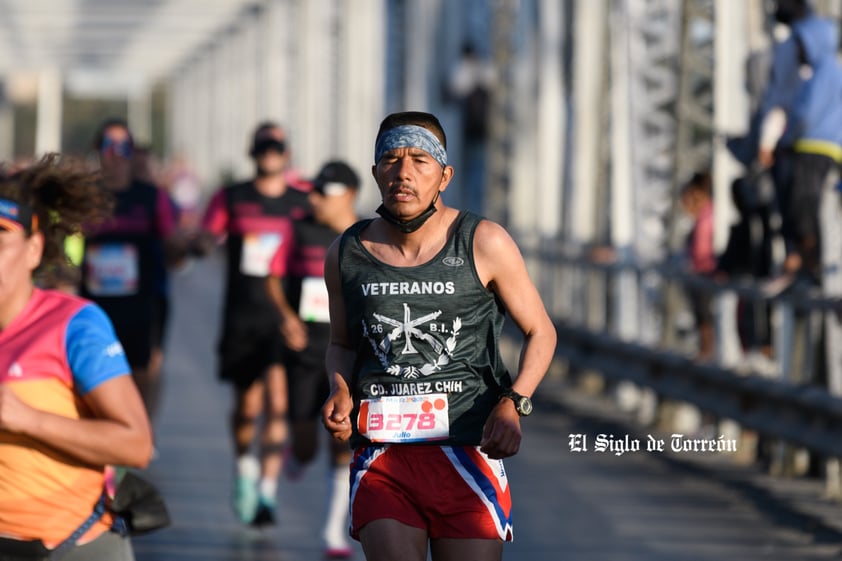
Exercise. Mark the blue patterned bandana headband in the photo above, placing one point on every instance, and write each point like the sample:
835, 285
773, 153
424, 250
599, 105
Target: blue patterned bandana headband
410, 136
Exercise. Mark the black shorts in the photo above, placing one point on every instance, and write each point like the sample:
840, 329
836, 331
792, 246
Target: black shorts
133, 321
245, 352
810, 173
160, 320
701, 304
307, 378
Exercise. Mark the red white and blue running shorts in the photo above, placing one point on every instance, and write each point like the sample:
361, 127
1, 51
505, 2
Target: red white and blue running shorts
450, 491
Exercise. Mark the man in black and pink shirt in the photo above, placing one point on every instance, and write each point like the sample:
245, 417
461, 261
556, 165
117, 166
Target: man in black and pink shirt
255, 218
306, 329
126, 258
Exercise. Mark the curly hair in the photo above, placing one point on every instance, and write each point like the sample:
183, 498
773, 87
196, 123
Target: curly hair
64, 195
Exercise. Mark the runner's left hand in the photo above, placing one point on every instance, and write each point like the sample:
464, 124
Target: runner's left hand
501, 434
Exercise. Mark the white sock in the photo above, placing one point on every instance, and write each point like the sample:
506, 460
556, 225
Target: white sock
268, 488
248, 466
336, 523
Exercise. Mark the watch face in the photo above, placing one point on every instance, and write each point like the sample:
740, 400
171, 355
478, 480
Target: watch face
525, 406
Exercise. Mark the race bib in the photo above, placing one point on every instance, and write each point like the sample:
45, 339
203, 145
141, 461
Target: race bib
112, 270
258, 250
414, 418
314, 301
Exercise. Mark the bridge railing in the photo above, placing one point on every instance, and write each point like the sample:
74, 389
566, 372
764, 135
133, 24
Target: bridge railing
623, 320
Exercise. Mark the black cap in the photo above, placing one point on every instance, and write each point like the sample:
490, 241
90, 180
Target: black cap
264, 138
336, 172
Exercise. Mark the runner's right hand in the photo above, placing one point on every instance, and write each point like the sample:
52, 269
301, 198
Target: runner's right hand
336, 412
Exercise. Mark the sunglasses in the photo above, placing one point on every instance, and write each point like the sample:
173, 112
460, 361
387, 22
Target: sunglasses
265, 145
111, 147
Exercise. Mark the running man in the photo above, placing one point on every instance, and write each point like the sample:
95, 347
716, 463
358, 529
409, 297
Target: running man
306, 328
417, 304
254, 219
126, 258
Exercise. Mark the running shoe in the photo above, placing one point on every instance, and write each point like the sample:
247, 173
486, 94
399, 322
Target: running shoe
265, 512
246, 499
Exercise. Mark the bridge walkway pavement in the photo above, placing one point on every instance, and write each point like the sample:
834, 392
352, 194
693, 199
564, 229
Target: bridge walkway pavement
589, 506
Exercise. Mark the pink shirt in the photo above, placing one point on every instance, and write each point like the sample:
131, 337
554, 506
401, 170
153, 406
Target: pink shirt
57, 349
702, 256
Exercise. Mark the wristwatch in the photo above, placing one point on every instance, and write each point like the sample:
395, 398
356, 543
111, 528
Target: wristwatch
523, 405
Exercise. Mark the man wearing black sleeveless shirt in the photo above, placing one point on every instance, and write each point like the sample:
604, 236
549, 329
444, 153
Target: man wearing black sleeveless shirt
417, 301
306, 328
126, 259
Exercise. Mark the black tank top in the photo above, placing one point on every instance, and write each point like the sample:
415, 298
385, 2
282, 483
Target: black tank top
307, 265
431, 328
124, 255
255, 222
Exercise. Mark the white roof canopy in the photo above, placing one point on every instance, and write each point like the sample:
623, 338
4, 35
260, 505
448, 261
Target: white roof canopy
109, 45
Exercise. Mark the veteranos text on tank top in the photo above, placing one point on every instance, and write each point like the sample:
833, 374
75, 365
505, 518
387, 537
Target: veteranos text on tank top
423, 330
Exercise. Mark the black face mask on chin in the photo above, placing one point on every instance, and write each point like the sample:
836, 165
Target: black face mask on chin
408, 226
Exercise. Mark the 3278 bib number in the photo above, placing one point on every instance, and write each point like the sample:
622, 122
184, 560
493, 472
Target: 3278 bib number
414, 418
